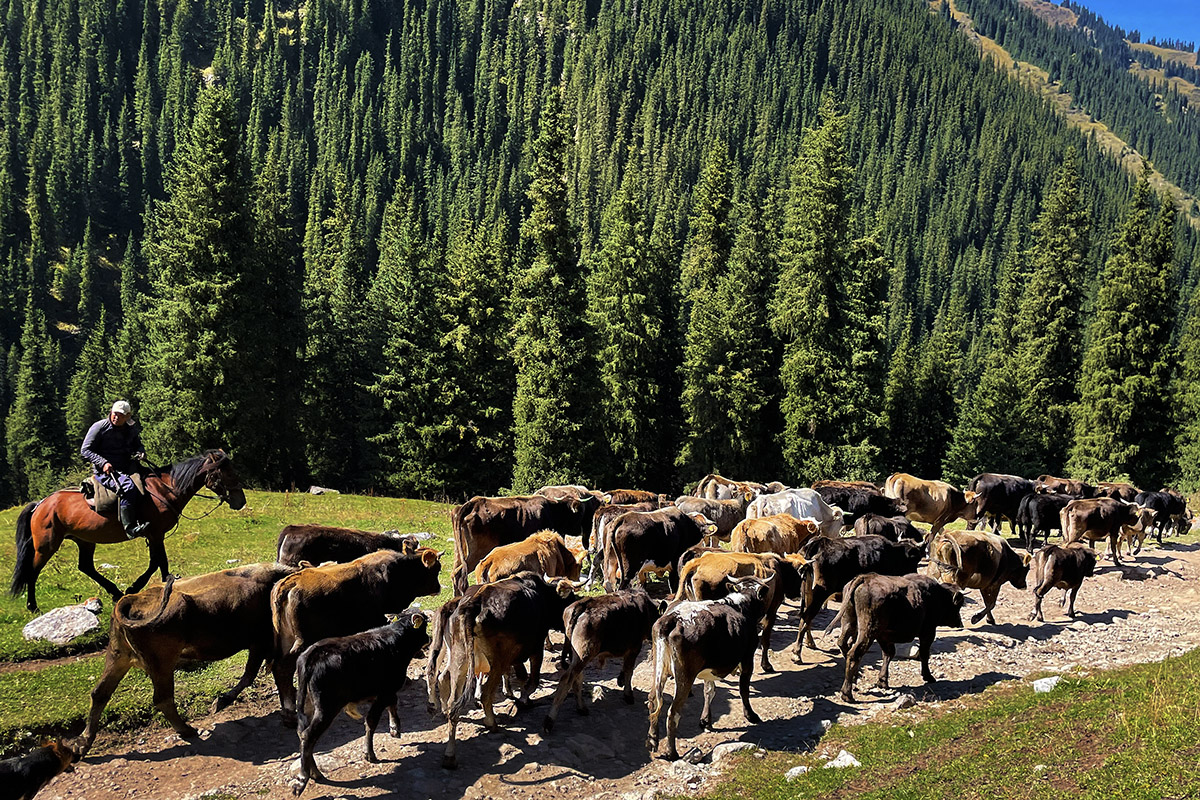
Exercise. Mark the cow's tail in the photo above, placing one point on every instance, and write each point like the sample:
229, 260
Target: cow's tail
660, 667
458, 529
807, 577
121, 608
944, 566
847, 602
281, 599
462, 661
23, 569
302, 676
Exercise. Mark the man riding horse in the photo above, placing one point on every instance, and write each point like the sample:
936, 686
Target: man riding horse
114, 447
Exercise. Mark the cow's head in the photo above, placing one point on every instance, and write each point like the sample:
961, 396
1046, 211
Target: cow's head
707, 527
952, 613
751, 586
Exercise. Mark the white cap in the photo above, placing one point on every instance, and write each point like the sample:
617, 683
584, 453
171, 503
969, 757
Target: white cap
122, 407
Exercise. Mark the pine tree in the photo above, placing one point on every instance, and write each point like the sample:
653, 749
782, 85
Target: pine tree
34, 427
199, 252
551, 409
86, 396
1048, 328
1121, 422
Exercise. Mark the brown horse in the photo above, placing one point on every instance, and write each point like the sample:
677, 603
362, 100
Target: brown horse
42, 526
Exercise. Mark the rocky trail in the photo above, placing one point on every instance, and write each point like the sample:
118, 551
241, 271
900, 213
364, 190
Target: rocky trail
1142, 612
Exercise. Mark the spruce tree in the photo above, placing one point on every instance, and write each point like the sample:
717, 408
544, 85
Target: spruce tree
35, 439
1048, 328
551, 409
200, 257
1187, 401
1123, 416
86, 397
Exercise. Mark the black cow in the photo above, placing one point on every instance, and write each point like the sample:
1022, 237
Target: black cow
891, 528
893, 609
1060, 567
856, 501
334, 673
602, 529
607, 626
706, 639
24, 776
832, 563
1168, 506
998, 497
640, 539
319, 544
1039, 513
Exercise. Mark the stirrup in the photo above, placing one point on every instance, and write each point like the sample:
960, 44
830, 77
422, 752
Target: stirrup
134, 531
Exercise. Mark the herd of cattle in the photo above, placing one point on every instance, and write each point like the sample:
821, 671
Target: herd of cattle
317, 614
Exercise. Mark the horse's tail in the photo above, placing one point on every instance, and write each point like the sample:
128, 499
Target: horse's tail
23, 570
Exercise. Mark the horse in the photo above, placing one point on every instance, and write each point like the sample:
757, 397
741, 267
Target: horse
42, 526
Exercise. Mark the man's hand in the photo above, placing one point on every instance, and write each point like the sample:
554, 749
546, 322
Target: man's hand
107, 468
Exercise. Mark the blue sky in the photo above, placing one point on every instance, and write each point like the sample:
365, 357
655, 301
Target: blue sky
1170, 19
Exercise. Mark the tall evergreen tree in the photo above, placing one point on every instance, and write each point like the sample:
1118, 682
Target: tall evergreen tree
200, 257
87, 397
1123, 417
34, 427
551, 410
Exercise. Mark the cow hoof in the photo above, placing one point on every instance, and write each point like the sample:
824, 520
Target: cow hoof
221, 703
767, 669
298, 785
449, 762
188, 733
547, 725
847, 697
672, 755
651, 744
705, 724
753, 718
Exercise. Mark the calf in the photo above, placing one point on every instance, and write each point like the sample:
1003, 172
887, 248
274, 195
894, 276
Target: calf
891, 528
24, 776
205, 618
1060, 567
544, 552
492, 630
341, 599
318, 544
650, 538
977, 560
705, 639
342, 671
891, 610
608, 626
1040, 513
778, 533
705, 578
835, 562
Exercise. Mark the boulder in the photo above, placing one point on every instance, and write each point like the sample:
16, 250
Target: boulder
64, 624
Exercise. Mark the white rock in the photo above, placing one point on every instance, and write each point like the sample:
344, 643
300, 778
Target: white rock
233, 561
903, 701
1040, 768
322, 490
795, 772
64, 624
826, 724
1046, 684
910, 650
844, 759
724, 751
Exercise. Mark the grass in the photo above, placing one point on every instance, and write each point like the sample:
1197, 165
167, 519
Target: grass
1130, 732
55, 699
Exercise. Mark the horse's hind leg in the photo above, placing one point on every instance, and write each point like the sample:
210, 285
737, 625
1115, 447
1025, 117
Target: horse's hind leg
87, 565
158, 560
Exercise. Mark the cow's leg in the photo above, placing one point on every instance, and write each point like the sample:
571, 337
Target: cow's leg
925, 645
1039, 592
768, 627
710, 691
254, 662
853, 658
318, 723
811, 609
1112, 546
625, 678
371, 720
87, 565
487, 697
1074, 591
284, 670
989, 602
394, 717
654, 700
565, 684
531, 683
116, 665
744, 687
683, 688
450, 756
162, 678
889, 652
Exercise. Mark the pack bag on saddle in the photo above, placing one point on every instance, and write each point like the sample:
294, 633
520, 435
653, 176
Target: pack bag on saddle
104, 500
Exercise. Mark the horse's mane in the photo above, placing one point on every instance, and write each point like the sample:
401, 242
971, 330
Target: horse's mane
185, 474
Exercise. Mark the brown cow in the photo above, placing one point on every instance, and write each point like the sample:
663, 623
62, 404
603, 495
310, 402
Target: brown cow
1104, 518
601, 526
318, 544
705, 578
1048, 484
725, 514
205, 618
544, 552
717, 487
484, 523
778, 533
1117, 490
978, 560
341, 599
623, 497
935, 502
641, 539
1060, 567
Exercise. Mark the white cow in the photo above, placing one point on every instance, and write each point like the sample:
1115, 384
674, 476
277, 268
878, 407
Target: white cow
802, 503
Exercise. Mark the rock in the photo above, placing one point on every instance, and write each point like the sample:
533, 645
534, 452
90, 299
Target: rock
233, 561
508, 751
910, 650
1046, 684
587, 747
844, 759
902, 702
826, 724
724, 751
422, 536
322, 490
64, 624
795, 772
597, 693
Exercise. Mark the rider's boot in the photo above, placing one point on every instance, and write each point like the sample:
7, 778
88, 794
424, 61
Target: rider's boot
129, 520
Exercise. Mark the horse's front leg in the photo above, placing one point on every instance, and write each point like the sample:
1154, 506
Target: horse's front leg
87, 565
158, 560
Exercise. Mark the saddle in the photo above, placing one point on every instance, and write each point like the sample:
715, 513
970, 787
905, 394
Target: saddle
102, 499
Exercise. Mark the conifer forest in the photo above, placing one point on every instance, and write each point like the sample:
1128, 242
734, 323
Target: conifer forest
436, 248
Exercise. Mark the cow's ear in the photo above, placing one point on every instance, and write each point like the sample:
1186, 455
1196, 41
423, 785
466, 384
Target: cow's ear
417, 621
1026, 558
429, 557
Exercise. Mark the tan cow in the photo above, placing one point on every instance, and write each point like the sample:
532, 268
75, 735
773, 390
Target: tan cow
978, 560
544, 552
1103, 518
779, 533
934, 502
